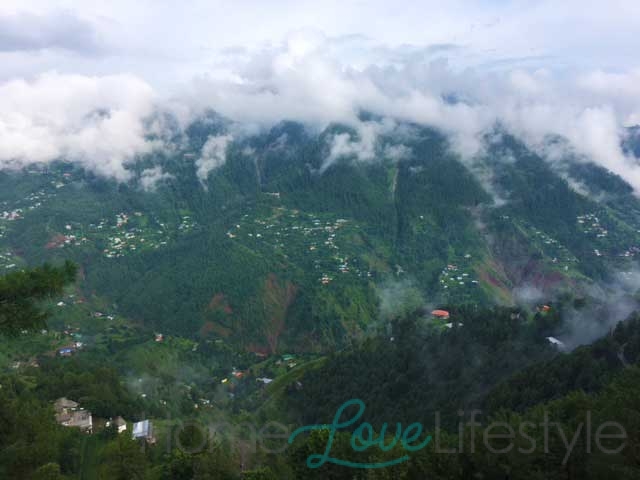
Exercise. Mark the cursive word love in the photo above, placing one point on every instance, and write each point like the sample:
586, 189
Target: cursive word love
363, 438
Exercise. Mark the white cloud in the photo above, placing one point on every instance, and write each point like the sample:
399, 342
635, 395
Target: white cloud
365, 146
95, 121
213, 155
305, 79
538, 68
397, 152
150, 177
362, 148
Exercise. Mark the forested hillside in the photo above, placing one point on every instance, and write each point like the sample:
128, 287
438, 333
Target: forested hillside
276, 250
497, 360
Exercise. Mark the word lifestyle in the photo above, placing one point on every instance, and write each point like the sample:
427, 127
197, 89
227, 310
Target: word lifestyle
608, 438
363, 438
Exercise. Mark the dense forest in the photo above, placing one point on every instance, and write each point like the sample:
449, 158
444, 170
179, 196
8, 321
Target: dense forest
496, 360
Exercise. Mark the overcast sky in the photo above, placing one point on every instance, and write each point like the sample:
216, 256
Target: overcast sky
168, 41
565, 67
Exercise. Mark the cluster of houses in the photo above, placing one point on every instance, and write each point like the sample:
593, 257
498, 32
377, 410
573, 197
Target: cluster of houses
454, 276
32, 201
16, 210
552, 248
443, 315
590, 224
286, 360
630, 252
7, 261
289, 229
11, 215
128, 234
73, 346
187, 224
70, 414
64, 240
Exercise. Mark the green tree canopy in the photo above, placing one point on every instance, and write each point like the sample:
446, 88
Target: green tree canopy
22, 291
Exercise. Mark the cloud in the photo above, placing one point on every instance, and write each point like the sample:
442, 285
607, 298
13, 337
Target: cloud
366, 145
362, 148
97, 122
309, 78
398, 297
59, 30
528, 294
610, 303
479, 64
212, 155
396, 153
150, 177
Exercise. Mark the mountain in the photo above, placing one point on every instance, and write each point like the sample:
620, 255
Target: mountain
286, 245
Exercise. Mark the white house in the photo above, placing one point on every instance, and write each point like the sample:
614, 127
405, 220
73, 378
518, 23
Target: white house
143, 430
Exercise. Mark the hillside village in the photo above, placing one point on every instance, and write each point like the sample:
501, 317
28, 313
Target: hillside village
124, 234
459, 275
323, 243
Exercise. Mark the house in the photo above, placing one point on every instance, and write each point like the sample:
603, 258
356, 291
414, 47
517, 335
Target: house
81, 419
64, 404
70, 414
67, 351
556, 342
143, 430
450, 325
119, 423
443, 314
